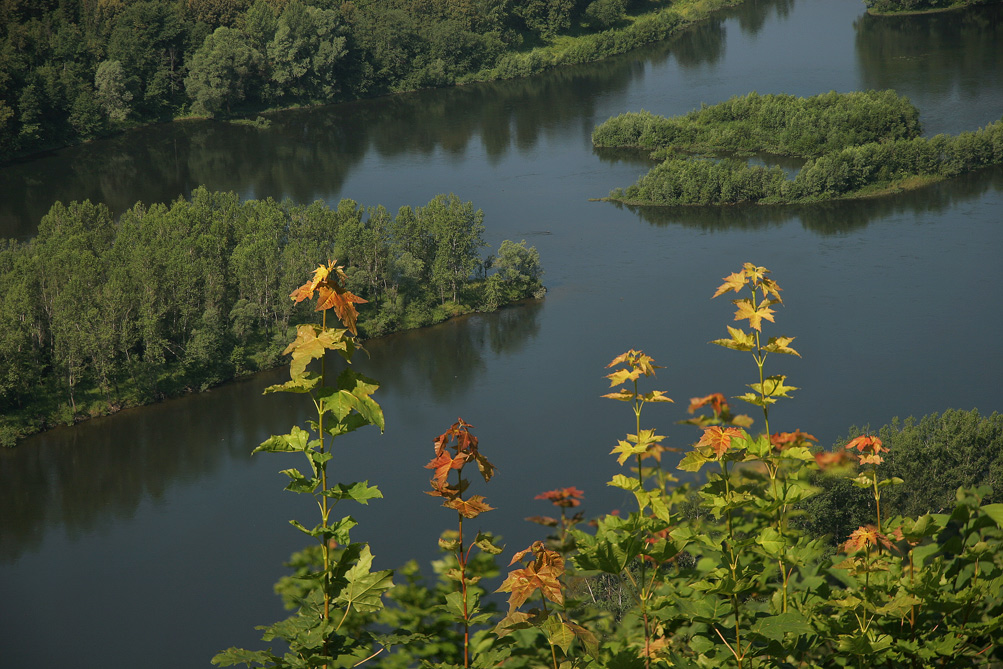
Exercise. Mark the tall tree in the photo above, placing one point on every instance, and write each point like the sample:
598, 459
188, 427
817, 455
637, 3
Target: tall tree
221, 72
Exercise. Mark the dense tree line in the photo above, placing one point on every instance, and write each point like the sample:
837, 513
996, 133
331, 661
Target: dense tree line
914, 6
882, 163
97, 314
783, 125
75, 69
934, 456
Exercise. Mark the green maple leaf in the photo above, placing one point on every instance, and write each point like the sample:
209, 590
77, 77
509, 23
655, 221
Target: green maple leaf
364, 590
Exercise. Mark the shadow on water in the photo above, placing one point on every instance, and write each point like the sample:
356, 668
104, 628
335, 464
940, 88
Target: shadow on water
827, 218
307, 154
90, 476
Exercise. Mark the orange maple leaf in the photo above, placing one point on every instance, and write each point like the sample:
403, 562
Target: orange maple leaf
784, 440
867, 443
542, 574
717, 402
564, 497
468, 508
718, 439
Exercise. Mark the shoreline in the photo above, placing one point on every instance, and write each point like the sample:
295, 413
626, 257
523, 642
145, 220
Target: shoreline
560, 52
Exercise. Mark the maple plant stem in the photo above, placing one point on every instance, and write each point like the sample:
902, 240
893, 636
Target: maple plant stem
324, 511
877, 497
461, 557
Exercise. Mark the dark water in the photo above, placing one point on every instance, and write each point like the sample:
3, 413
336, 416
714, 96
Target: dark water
152, 539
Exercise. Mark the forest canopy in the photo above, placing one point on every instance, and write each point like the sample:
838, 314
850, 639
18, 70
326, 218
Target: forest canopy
97, 314
855, 145
71, 70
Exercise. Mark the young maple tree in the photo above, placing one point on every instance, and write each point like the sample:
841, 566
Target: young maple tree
464, 446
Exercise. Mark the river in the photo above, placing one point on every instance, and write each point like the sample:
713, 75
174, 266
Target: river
151, 538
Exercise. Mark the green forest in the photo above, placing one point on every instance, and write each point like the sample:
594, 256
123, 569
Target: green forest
854, 145
98, 314
71, 70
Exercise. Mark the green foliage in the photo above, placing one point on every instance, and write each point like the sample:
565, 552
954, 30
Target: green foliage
856, 144
86, 68
724, 572
103, 336
221, 71
777, 124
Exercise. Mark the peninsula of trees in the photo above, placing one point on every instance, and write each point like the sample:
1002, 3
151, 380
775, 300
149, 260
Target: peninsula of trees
71, 70
854, 145
97, 315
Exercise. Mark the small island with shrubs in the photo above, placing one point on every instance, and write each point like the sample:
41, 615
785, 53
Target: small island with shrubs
859, 144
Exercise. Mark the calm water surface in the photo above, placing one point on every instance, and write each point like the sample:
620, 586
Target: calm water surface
152, 539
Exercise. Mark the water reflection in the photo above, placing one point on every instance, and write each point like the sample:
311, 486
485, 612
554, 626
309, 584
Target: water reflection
829, 218
951, 54
89, 477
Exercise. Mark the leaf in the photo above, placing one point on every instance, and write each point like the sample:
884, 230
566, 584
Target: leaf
342, 301
755, 315
772, 386
300, 483
361, 492
994, 511
775, 627
296, 440
486, 543
719, 439
693, 461
311, 343
468, 508
740, 340
735, 281
365, 589
773, 542
780, 345
558, 633
587, 639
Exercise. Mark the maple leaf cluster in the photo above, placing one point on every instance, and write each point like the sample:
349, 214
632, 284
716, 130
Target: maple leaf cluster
636, 364
718, 439
868, 535
563, 497
464, 446
543, 573
870, 449
328, 284
783, 440
721, 410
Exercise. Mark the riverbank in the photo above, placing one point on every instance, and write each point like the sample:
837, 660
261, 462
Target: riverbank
95, 114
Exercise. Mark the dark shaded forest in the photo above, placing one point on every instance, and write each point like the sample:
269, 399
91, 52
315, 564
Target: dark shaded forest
71, 70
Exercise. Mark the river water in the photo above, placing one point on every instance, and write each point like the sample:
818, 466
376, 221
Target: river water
152, 539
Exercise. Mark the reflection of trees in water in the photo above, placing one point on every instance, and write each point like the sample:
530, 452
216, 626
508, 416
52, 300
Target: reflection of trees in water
87, 477
943, 50
752, 14
829, 218
446, 359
